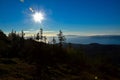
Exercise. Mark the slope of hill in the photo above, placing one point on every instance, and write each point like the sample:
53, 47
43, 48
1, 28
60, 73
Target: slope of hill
30, 60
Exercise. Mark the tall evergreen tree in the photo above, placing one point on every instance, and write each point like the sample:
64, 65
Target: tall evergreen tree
61, 38
41, 34
22, 34
37, 36
54, 40
45, 39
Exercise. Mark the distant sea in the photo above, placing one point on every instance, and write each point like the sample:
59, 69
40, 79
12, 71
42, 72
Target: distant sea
94, 39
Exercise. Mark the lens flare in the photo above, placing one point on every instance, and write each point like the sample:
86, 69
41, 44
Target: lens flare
31, 9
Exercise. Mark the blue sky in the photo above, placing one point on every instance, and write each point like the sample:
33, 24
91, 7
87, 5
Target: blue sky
73, 17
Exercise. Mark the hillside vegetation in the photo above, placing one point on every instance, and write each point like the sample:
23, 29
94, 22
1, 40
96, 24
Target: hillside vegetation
27, 59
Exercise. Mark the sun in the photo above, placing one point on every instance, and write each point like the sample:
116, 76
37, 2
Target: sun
38, 17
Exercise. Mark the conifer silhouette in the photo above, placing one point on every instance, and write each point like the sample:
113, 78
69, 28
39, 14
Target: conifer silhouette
61, 38
41, 34
45, 39
54, 40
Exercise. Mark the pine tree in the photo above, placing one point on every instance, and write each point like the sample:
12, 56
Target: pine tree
37, 36
45, 39
61, 38
22, 34
12, 36
41, 34
54, 40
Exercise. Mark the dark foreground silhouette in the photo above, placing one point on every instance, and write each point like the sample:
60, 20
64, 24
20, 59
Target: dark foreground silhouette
22, 59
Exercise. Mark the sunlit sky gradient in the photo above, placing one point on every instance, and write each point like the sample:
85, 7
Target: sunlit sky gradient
73, 17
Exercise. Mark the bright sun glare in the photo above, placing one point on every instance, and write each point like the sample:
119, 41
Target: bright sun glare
38, 17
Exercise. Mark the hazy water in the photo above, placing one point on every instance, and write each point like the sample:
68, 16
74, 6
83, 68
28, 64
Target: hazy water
88, 40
